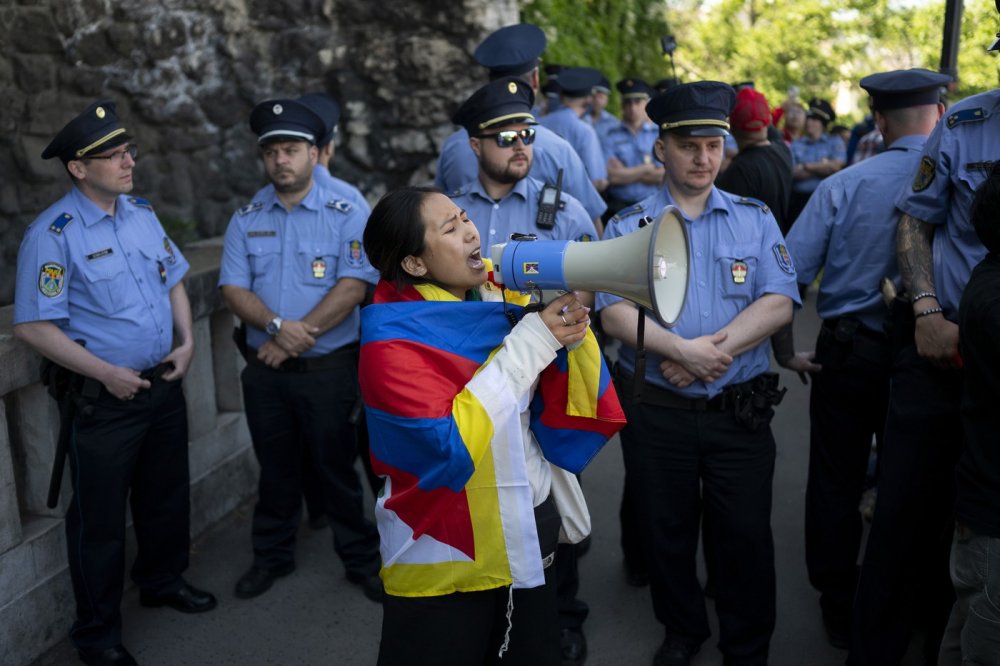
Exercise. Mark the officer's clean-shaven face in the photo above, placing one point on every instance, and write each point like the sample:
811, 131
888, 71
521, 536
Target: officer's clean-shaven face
691, 162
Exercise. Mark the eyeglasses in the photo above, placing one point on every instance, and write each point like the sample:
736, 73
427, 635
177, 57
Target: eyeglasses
116, 158
507, 138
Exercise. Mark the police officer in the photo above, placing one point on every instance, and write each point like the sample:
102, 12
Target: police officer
99, 293
294, 271
633, 173
698, 437
575, 87
904, 582
846, 231
598, 115
816, 155
515, 51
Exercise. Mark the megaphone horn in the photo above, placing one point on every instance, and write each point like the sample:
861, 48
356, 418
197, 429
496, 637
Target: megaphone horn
648, 266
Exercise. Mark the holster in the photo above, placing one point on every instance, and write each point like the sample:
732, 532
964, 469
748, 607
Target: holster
240, 339
753, 402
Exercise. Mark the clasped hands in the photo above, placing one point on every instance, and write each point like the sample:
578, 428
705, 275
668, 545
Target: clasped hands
294, 338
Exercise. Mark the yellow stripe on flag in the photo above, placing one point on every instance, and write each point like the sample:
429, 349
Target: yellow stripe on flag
584, 378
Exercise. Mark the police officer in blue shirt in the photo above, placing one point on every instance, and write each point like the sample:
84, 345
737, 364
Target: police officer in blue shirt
904, 583
99, 294
597, 114
514, 51
633, 173
294, 270
696, 441
328, 110
815, 155
575, 87
847, 232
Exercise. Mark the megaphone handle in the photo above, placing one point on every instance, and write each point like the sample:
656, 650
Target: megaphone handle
640, 356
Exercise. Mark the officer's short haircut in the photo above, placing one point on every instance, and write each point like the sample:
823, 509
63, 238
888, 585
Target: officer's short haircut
985, 213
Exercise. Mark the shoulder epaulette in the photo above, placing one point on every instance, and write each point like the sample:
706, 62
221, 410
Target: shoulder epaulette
628, 211
60, 223
251, 208
339, 204
966, 116
457, 192
750, 201
136, 201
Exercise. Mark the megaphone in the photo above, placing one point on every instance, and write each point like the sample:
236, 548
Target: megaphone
648, 266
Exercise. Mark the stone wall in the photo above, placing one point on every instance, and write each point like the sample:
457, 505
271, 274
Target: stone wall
186, 74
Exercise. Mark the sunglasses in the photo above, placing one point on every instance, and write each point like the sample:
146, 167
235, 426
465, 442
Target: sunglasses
507, 138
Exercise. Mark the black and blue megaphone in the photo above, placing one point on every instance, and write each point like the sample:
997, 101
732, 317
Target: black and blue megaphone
648, 267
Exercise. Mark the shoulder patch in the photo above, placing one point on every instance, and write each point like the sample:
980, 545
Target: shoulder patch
142, 203
965, 116
925, 174
60, 223
251, 208
51, 278
355, 254
750, 201
339, 204
783, 258
627, 212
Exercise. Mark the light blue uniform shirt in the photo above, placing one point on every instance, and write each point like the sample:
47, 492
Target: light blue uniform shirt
849, 226
515, 213
457, 165
604, 124
101, 279
736, 256
291, 260
341, 188
806, 150
631, 150
582, 137
957, 159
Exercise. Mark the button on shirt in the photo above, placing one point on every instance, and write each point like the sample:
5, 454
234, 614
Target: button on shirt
102, 279
849, 226
582, 137
737, 255
959, 157
631, 150
515, 213
806, 150
457, 165
291, 260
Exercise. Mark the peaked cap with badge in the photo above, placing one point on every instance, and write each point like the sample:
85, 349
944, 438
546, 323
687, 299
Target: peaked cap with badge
821, 110
904, 88
511, 50
498, 103
700, 108
579, 81
286, 120
634, 89
96, 129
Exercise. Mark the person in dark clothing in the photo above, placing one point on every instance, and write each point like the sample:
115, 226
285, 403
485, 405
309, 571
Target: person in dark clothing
763, 168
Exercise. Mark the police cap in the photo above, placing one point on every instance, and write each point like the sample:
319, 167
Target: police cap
498, 103
821, 110
603, 85
96, 129
904, 87
665, 84
511, 50
578, 81
286, 120
634, 89
700, 108
327, 109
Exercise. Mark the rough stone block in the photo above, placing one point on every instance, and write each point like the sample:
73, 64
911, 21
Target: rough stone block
223, 489
32, 623
228, 437
199, 384
10, 520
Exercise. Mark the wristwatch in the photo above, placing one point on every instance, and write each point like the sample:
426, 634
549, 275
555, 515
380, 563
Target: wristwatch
273, 327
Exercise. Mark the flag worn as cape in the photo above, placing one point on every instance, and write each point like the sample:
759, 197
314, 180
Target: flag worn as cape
456, 510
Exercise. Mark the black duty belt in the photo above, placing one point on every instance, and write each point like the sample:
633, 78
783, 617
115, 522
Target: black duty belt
343, 357
156, 372
661, 397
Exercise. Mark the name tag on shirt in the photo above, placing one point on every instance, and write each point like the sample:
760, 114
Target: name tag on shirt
261, 234
100, 253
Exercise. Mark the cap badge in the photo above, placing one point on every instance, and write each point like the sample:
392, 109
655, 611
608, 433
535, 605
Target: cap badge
512, 87
99, 112
277, 109
628, 83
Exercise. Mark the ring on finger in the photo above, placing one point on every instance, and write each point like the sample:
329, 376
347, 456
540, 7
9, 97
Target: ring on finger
563, 317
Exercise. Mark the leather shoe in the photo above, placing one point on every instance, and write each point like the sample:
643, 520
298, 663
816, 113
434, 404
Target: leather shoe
370, 584
258, 580
574, 647
112, 656
187, 599
673, 653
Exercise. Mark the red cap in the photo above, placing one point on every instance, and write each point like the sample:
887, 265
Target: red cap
751, 112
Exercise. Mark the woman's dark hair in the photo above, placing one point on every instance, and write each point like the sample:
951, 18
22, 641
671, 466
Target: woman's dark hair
395, 230
985, 211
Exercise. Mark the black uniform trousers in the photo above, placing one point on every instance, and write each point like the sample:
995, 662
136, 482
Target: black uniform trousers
305, 415
681, 464
904, 581
131, 451
847, 407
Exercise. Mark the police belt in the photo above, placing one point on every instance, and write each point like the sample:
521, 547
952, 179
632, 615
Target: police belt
342, 357
661, 397
864, 342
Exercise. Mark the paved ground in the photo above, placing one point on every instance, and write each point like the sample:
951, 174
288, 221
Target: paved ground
316, 617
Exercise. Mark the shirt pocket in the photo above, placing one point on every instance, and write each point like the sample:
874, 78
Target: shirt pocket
316, 263
265, 263
156, 267
737, 266
108, 284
